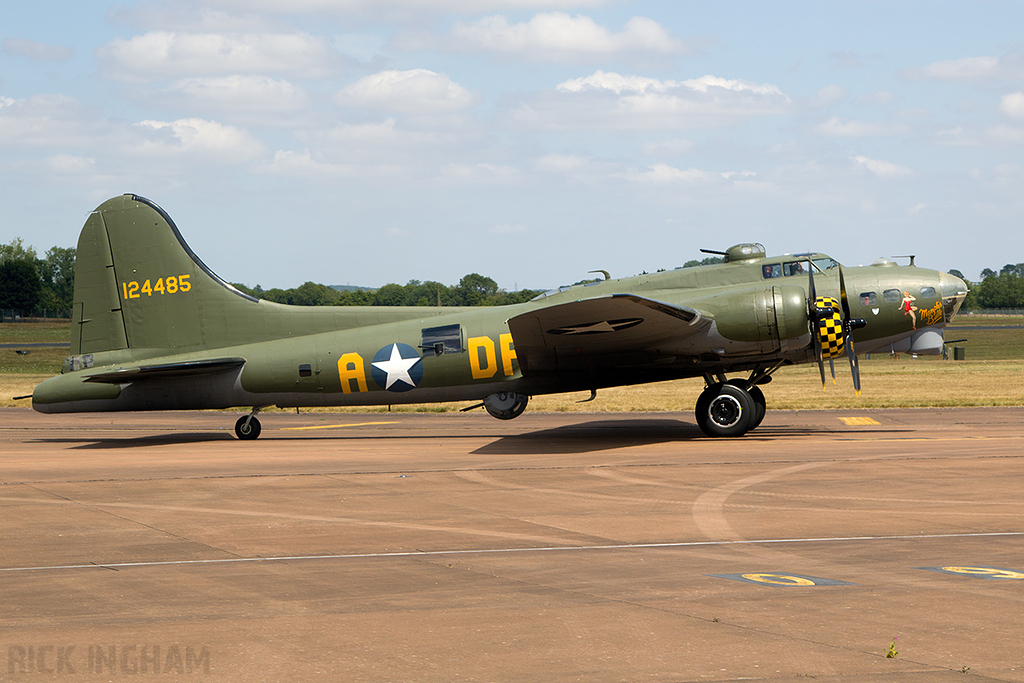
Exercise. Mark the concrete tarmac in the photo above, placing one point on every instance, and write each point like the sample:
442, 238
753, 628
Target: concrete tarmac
554, 547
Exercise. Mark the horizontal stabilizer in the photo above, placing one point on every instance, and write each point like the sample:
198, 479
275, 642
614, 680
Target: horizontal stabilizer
610, 325
163, 370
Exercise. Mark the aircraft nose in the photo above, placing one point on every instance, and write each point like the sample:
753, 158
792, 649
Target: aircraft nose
954, 291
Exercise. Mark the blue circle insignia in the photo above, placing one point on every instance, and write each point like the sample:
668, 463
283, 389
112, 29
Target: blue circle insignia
397, 367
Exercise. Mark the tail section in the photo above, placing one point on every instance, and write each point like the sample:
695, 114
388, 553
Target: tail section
140, 292
140, 288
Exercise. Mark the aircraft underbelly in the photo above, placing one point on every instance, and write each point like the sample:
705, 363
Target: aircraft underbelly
927, 341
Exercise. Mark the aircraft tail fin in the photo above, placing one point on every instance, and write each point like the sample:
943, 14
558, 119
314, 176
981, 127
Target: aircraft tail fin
139, 286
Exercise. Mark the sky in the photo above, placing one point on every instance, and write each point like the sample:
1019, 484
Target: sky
372, 141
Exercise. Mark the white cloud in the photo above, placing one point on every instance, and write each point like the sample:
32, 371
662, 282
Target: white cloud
197, 137
160, 55
971, 68
560, 163
67, 164
1012, 105
40, 52
50, 121
560, 37
611, 100
249, 94
303, 165
881, 168
483, 173
830, 94
384, 136
878, 97
392, 8
674, 147
602, 80
846, 128
664, 174
1001, 134
413, 91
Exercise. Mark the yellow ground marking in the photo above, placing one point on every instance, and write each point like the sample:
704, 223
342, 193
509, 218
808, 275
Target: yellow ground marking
859, 421
779, 579
985, 571
352, 424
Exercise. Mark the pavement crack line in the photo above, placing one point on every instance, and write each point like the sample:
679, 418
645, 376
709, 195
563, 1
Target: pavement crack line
528, 549
111, 513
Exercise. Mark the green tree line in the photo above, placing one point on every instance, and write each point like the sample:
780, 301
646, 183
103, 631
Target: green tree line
473, 290
1004, 289
28, 282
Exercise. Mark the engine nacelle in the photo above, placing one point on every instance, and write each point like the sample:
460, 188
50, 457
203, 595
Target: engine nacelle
765, 314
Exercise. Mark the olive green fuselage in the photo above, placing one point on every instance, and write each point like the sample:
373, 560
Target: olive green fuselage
155, 329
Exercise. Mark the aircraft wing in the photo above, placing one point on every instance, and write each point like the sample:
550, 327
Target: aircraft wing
605, 328
163, 370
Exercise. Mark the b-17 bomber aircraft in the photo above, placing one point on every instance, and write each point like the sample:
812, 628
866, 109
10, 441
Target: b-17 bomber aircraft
155, 329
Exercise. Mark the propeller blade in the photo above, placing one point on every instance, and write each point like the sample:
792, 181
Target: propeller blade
849, 326
842, 295
810, 280
854, 362
814, 319
832, 367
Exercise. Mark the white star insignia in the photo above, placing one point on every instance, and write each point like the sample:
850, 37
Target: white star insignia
397, 367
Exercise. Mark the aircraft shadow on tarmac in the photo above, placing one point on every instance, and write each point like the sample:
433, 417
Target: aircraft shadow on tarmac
598, 435
173, 439
604, 435
601, 435
585, 437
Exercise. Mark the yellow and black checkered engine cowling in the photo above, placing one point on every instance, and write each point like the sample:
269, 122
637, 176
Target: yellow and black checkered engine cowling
830, 326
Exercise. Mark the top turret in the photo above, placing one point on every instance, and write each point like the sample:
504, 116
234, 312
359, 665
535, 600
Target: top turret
744, 252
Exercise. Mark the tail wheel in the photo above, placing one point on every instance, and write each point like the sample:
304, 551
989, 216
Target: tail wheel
725, 410
247, 428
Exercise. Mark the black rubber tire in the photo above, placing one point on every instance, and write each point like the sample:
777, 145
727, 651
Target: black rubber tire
760, 404
250, 432
701, 410
506, 405
725, 410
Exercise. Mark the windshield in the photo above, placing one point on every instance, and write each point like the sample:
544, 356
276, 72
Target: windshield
824, 263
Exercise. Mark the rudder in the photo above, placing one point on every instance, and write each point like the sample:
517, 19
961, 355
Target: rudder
139, 287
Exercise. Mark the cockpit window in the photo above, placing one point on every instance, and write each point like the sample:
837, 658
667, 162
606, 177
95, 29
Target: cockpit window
792, 268
825, 263
771, 270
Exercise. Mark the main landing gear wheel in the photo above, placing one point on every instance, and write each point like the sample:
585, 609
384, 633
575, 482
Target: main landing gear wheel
760, 403
726, 410
506, 405
247, 428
